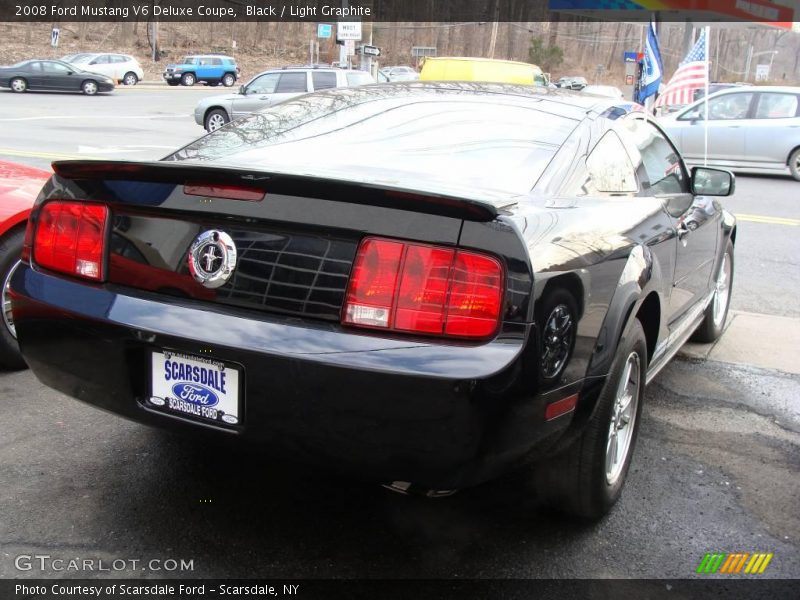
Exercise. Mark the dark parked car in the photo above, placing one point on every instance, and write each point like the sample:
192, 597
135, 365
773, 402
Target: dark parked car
432, 283
53, 76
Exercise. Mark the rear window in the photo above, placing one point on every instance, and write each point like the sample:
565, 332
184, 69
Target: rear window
427, 141
292, 82
776, 106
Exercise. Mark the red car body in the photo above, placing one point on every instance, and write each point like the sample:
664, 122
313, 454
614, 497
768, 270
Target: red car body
19, 187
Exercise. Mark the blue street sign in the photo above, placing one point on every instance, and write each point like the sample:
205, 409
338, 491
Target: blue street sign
324, 30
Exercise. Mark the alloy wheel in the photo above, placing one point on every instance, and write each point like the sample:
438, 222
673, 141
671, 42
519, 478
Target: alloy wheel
18, 85
130, 79
215, 121
8, 318
90, 88
722, 291
623, 418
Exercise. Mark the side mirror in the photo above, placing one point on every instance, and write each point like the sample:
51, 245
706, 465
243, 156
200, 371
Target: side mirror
707, 181
242, 90
69, 72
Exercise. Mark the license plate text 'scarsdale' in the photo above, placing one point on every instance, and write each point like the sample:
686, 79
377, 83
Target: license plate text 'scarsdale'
196, 387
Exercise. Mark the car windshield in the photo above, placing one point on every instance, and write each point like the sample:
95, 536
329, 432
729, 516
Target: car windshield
434, 140
190, 60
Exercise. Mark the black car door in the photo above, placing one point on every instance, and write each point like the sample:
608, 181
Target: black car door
695, 219
58, 76
33, 74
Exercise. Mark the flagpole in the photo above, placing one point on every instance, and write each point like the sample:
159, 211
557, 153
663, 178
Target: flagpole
705, 103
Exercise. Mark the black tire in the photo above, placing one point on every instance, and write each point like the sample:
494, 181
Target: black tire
228, 79
716, 313
215, 119
10, 250
188, 79
577, 480
130, 78
794, 164
172, 83
89, 87
559, 317
18, 85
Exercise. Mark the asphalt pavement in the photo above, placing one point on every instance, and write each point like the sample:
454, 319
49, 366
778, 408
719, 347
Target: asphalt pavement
716, 469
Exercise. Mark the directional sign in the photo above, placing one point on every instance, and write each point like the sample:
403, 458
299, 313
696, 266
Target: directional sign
370, 50
348, 30
324, 30
54, 37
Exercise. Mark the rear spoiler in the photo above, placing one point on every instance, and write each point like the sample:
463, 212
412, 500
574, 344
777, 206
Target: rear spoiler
278, 183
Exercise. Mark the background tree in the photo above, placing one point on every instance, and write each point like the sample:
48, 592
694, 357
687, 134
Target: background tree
547, 57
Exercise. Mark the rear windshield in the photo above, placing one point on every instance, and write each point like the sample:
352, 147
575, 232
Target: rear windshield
426, 142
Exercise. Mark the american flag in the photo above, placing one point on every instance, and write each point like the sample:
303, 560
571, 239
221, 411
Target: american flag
690, 76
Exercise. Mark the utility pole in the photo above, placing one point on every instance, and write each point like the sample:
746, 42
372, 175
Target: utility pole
493, 39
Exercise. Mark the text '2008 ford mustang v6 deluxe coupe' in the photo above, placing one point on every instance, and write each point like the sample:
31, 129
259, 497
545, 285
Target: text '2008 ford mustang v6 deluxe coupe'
432, 283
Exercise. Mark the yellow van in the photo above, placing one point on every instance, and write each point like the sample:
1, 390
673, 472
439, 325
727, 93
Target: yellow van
481, 69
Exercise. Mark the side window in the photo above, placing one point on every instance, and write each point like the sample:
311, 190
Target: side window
323, 80
292, 82
724, 108
264, 85
776, 106
357, 78
217, 62
663, 173
118, 58
54, 68
609, 168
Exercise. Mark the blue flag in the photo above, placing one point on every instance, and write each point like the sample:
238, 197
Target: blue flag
652, 67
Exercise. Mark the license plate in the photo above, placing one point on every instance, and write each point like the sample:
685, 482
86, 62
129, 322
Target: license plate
195, 387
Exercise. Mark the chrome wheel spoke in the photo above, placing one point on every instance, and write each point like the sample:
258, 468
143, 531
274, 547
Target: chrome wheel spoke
623, 417
8, 317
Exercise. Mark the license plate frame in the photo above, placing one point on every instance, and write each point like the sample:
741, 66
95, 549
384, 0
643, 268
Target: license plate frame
200, 389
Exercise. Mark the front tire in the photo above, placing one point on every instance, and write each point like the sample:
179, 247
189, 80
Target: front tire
586, 479
188, 79
130, 79
794, 164
18, 85
716, 313
216, 119
10, 250
89, 87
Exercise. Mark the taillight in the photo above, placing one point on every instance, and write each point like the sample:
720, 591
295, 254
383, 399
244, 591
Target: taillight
70, 238
417, 288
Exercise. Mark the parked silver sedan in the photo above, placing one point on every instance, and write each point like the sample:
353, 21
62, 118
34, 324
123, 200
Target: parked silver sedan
750, 130
270, 88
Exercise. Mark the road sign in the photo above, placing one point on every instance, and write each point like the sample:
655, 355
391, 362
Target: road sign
348, 30
762, 72
54, 37
324, 30
370, 50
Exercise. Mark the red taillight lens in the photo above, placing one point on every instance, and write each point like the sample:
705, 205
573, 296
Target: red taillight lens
70, 238
424, 289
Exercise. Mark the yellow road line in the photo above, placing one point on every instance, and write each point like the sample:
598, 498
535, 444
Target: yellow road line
769, 220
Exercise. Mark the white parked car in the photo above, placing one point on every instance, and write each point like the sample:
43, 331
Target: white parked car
400, 73
122, 68
608, 91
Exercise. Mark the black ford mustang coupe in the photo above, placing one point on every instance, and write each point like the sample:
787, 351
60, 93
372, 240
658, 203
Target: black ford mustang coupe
416, 283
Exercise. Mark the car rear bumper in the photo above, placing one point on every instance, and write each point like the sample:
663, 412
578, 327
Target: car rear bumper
381, 409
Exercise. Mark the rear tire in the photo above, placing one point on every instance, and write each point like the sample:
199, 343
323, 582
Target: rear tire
586, 479
18, 85
130, 79
794, 164
716, 314
188, 79
228, 80
10, 250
